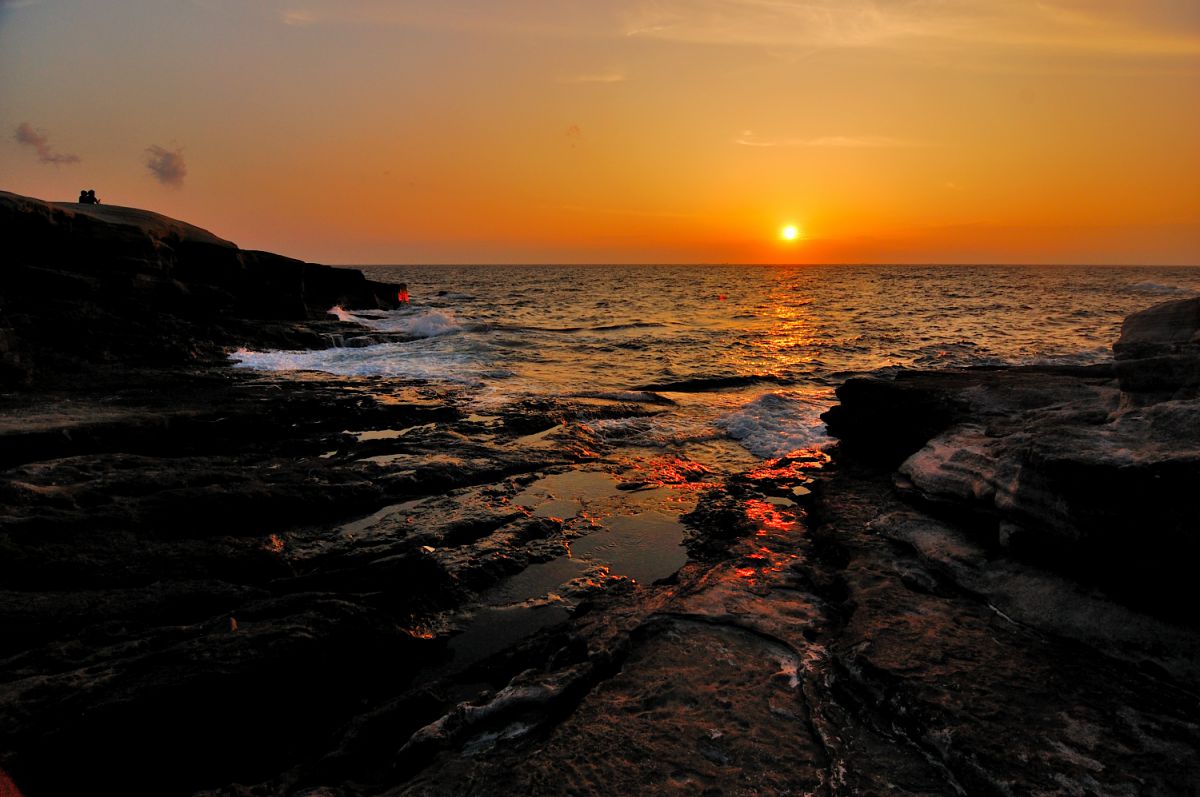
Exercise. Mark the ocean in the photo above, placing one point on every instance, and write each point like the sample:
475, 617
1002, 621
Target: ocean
741, 360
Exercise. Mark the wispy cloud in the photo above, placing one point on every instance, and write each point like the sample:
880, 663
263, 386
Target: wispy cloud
41, 144
298, 17
1112, 27
517, 17
1150, 27
166, 165
748, 138
596, 77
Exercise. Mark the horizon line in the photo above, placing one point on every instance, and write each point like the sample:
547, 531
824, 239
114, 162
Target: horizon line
767, 265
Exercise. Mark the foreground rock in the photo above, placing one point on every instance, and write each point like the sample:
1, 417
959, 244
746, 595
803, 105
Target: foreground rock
85, 288
205, 581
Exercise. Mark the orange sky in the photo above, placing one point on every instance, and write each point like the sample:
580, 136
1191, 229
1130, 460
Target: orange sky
364, 131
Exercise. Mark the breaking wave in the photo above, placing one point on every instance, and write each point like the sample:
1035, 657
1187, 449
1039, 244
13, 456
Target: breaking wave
421, 324
397, 360
775, 424
1160, 289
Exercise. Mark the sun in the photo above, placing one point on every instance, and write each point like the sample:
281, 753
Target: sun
790, 232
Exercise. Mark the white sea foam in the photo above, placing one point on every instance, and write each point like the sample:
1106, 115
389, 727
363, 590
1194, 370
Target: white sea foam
431, 324
1161, 289
385, 359
343, 315
768, 426
776, 423
418, 324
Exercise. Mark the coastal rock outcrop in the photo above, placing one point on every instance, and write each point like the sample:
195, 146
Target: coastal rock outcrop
1158, 352
84, 287
1062, 465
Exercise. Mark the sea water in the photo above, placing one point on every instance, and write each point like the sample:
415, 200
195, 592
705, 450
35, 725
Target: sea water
747, 354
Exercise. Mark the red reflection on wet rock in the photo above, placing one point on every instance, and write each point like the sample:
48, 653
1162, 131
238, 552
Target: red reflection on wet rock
768, 517
791, 468
670, 471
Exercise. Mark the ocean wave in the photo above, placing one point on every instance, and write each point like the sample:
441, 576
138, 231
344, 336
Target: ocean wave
629, 396
775, 424
395, 360
422, 324
346, 315
629, 325
1160, 289
431, 324
657, 431
573, 330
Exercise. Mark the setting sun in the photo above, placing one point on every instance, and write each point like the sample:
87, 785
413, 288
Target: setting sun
790, 233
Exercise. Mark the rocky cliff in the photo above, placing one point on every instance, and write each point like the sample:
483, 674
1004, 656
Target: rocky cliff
84, 287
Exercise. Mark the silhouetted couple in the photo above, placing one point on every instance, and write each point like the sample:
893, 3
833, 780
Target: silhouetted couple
88, 197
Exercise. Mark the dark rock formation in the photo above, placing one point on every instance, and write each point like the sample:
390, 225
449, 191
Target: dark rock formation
886, 420
1065, 464
84, 287
194, 590
1007, 678
1158, 352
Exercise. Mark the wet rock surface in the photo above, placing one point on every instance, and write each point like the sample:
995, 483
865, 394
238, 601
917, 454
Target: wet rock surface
209, 577
214, 582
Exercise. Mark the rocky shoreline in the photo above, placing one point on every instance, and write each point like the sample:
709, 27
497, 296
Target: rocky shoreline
94, 289
227, 583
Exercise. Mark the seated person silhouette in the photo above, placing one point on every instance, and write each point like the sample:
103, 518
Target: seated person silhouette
92, 200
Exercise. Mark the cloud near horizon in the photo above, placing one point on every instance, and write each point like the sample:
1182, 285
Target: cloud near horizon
299, 17
40, 142
166, 165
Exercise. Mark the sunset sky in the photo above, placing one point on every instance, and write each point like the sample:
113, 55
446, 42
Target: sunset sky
617, 131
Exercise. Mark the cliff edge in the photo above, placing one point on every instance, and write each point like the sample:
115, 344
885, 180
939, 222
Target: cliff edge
87, 287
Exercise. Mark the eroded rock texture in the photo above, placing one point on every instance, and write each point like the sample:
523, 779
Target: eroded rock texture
1070, 466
